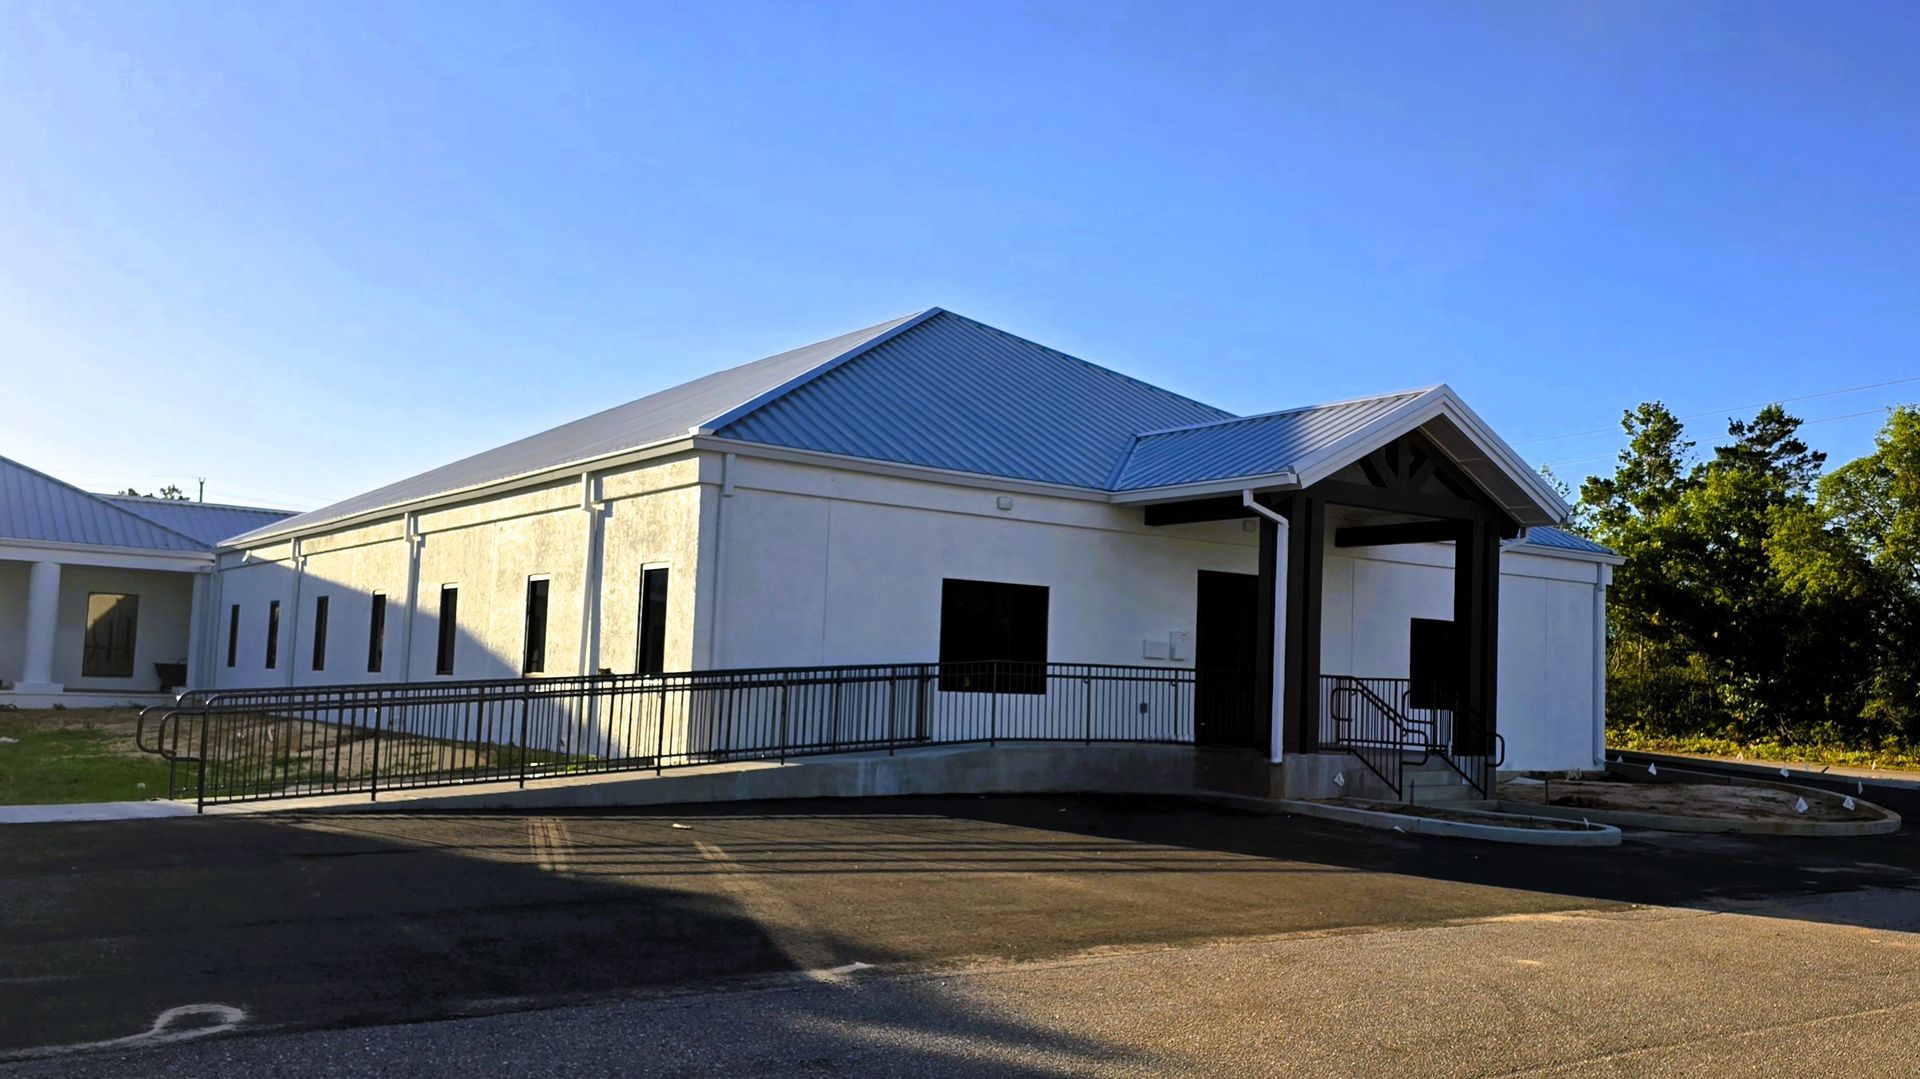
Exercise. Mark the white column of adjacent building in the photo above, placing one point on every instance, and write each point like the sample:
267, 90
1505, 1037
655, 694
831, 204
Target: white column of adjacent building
43, 620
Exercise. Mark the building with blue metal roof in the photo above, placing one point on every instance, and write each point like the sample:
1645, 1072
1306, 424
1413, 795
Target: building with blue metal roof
98, 592
932, 488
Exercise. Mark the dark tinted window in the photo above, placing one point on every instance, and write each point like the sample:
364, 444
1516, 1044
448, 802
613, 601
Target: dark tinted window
533, 659
983, 621
449, 628
273, 633
320, 633
377, 634
652, 652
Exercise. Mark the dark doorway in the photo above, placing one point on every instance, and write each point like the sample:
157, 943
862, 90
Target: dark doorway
1223, 660
1433, 663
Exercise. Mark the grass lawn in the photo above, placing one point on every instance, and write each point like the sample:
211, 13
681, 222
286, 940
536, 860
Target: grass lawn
75, 755
1885, 758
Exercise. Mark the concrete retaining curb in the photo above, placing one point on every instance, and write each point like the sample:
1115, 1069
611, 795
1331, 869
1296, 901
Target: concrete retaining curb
1595, 835
1889, 821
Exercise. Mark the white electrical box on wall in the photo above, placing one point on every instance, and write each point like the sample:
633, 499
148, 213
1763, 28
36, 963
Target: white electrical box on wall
1179, 644
1154, 648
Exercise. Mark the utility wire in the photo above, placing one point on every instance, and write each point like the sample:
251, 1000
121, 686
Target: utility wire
1736, 408
1804, 423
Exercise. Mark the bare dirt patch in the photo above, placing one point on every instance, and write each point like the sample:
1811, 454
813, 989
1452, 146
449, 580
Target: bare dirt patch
1708, 800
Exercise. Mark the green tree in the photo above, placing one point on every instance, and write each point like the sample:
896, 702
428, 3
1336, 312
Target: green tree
1873, 504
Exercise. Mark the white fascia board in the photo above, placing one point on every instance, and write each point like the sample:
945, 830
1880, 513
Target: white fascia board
895, 469
1524, 547
87, 554
569, 471
1437, 403
1275, 481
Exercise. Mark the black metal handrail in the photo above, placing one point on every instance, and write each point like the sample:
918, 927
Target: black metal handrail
1384, 738
251, 744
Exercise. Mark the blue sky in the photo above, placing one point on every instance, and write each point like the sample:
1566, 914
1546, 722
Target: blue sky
303, 250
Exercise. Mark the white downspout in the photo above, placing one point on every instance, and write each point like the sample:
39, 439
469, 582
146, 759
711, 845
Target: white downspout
1601, 581
1277, 733
719, 562
414, 541
293, 628
590, 574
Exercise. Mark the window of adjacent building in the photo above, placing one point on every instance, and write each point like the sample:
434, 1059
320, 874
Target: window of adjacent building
990, 620
1432, 662
273, 633
449, 628
377, 634
533, 659
111, 620
320, 633
651, 653
233, 634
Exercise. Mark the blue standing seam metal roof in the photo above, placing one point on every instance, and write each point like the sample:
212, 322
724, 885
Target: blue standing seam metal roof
35, 507
1561, 539
207, 522
931, 389
957, 394
669, 414
1251, 446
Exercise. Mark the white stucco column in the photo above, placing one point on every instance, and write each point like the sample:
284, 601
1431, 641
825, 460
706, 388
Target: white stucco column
197, 633
43, 620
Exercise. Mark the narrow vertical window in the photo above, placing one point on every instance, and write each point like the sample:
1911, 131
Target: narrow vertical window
233, 634
108, 651
449, 628
652, 654
320, 633
377, 634
534, 659
273, 633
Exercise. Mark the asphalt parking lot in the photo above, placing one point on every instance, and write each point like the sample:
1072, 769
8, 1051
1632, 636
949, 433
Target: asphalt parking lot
327, 927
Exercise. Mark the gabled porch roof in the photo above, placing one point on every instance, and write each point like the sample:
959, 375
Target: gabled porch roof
1300, 447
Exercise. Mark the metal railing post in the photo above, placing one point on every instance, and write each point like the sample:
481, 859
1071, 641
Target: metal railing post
373, 773
526, 707
993, 703
784, 694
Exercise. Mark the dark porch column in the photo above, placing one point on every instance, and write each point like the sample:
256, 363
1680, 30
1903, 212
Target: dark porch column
1306, 554
1476, 616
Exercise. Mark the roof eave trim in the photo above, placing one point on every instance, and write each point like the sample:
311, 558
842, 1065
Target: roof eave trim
1285, 479
754, 404
897, 469
275, 533
1563, 552
203, 556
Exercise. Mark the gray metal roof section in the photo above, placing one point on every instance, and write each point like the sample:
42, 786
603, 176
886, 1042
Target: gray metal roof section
659, 417
1561, 540
1251, 446
35, 507
208, 522
956, 394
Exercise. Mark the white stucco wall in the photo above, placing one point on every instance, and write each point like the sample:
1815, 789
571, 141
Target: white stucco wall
160, 628
825, 567
488, 548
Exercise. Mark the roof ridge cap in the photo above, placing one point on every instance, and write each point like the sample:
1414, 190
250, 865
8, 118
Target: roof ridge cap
1101, 368
713, 424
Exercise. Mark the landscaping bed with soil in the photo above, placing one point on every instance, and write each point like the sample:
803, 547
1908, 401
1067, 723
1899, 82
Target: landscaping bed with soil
1724, 807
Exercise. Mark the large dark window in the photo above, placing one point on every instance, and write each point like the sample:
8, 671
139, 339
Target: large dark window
533, 659
111, 620
273, 633
651, 654
377, 634
449, 628
320, 633
1433, 664
987, 620
233, 634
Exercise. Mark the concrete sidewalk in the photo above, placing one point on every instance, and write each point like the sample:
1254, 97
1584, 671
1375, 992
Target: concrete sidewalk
83, 811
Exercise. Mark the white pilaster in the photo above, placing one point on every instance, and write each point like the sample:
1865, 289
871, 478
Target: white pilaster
43, 621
